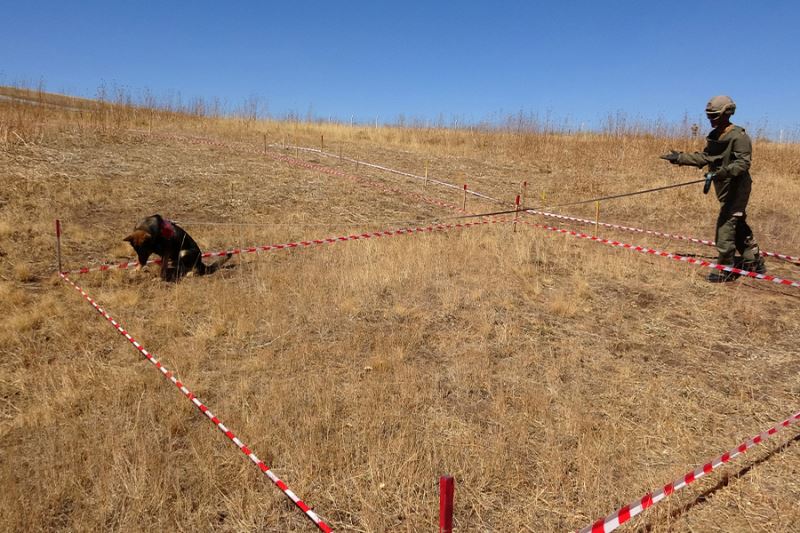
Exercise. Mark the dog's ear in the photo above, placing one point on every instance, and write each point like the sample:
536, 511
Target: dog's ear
137, 238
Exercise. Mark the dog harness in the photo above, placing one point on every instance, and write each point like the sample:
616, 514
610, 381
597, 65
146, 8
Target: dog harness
167, 229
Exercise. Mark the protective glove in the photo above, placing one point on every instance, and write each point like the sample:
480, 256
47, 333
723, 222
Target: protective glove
710, 176
672, 156
722, 174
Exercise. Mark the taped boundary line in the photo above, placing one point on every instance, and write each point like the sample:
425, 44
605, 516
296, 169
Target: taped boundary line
444, 227
785, 257
205, 410
789, 258
387, 169
668, 255
210, 142
300, 244
677, 257
614, 520
317, 167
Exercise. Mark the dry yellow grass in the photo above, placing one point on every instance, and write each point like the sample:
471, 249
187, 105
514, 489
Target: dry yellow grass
556, 379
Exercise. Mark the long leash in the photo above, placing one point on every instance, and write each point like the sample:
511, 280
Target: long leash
623, 195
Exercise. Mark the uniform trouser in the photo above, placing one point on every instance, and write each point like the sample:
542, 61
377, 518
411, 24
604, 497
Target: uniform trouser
734, 235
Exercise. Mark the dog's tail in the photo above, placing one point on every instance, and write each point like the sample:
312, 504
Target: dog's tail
203, 269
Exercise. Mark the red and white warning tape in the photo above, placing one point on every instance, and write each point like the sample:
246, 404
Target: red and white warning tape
443, 227
205, 410
321, 168
392, 170
545, 213
626, 513
300, 244
652, 232
690, 260
669, 255
613, 521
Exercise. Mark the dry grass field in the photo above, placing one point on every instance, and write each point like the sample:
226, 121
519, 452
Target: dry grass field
555, 378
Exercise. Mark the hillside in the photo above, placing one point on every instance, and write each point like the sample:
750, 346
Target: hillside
555, 378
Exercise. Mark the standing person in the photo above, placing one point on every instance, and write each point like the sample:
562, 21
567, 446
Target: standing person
728, 154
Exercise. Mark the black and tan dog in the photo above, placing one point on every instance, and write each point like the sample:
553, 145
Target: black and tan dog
180, 254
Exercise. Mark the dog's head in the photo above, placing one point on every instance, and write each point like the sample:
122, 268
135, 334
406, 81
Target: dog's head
138, 238
142, 243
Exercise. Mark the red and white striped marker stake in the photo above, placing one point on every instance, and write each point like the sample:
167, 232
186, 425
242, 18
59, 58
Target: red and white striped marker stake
613, 521
205, 410
447, 487
58, 245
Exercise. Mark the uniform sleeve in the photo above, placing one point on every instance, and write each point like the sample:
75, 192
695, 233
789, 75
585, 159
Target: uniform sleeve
741, 156
694, 159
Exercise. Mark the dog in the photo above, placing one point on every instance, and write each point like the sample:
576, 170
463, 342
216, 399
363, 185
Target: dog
180, 254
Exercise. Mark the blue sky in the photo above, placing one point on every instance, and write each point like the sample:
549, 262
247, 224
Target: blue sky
571, 61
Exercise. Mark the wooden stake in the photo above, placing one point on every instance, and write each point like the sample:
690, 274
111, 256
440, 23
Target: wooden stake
321, 143
426, 173
524, 191
58, 245
516, 215
596, 217
465, 197
447, 487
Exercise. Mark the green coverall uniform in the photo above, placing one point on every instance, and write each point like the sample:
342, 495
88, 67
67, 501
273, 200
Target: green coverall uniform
728, 156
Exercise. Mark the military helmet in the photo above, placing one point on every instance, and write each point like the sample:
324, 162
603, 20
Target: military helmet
720, 105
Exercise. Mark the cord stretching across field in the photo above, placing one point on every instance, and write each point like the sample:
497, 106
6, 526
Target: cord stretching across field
205, 410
